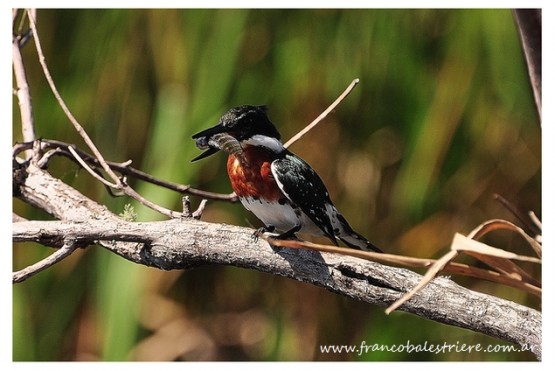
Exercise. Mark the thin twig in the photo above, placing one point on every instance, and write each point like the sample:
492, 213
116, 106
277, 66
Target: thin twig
68, 247
43, 161
198, 212
509, 273
430, 275
89, 170
23, 94
24, 36
318, 119
408, 261
122, 168
529, 25
521, 216
537, 222
162, 210
69, 115
119, 183
496, 224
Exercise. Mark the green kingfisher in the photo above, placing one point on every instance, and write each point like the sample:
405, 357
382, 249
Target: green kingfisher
281, 189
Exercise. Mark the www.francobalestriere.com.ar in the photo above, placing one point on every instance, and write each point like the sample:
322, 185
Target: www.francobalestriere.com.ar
425, 347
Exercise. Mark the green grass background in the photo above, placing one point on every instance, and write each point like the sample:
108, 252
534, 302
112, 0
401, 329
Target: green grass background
442, 119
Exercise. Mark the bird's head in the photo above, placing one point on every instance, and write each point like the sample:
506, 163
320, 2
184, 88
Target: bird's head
248, 125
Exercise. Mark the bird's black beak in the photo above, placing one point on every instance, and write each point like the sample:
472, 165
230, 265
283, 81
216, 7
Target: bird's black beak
208, 152
202, 141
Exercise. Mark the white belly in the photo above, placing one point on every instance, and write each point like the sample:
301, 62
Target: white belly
283, 217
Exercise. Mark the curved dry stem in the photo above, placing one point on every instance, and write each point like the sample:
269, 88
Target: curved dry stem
61, 102
67, 248
323, 115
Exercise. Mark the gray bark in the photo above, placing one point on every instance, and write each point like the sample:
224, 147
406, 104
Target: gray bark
185, 243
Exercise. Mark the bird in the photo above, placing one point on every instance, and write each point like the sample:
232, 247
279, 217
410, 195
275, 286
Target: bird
277, 186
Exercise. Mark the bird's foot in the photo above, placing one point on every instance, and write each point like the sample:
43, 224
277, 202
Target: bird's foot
260, 231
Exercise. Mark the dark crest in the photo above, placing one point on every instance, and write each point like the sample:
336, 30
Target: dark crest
246, 121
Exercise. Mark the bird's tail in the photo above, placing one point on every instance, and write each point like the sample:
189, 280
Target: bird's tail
352, 238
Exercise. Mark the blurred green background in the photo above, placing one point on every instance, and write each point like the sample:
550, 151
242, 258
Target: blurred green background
442, 119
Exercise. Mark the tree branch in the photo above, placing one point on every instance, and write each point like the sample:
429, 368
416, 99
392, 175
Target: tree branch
22, 92
60, 148
529, 26
42, 60
67, 248
323, 115
119, 184
186, 243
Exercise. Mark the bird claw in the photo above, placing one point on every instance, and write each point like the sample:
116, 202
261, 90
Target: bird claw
260, 232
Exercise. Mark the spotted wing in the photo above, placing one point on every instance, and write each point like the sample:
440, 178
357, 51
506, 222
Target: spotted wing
304, 188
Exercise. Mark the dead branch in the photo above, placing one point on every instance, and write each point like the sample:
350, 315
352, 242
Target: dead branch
22, 92
117, 183
60, 148
67, 248
186, 243
523, 281
323, 115
498, 259
529, 26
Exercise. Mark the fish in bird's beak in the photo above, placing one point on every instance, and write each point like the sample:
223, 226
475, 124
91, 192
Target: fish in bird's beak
214, 139
202, 140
